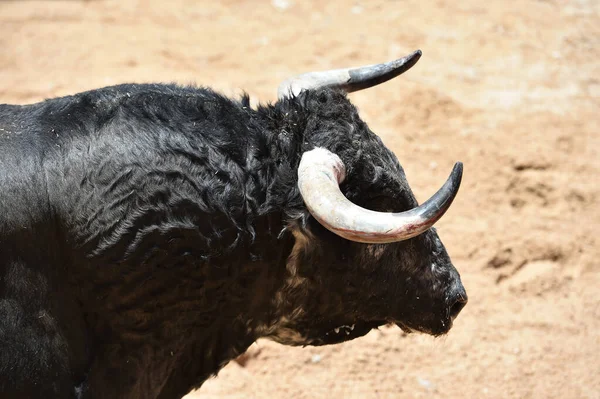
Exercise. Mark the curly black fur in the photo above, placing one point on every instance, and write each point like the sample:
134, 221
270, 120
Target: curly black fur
146, 233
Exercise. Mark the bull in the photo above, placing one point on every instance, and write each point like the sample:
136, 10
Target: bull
150, 233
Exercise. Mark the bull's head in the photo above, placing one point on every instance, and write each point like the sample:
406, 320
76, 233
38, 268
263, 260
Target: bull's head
384, 263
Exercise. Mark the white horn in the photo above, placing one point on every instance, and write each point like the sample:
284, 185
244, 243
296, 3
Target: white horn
319, 175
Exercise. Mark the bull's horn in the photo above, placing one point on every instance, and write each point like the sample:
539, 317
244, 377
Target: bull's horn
319, 175
349, 79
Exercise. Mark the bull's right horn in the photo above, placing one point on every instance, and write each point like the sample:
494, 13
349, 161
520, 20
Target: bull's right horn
319, 175
349, 79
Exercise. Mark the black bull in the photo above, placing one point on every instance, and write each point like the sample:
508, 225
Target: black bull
150, 233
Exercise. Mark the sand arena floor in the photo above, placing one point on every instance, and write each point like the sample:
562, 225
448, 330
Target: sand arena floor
511, 88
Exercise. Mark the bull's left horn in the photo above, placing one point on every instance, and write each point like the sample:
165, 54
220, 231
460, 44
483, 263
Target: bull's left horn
349, 79
319, 175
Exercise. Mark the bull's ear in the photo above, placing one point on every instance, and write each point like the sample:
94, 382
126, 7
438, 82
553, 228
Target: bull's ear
348, 79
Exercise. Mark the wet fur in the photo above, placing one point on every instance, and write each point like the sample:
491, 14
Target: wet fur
146, 233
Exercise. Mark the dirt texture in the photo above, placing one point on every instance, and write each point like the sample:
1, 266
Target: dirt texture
511, 88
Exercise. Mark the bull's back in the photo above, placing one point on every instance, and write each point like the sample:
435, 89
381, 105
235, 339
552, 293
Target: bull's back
44, 149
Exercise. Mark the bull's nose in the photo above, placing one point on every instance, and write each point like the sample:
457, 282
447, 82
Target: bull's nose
458, 300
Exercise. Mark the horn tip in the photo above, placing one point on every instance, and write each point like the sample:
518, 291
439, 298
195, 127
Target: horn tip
410, 60
457, 172
415, 55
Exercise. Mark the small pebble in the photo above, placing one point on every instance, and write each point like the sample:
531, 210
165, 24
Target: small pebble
281, 4
356, 10
425, 383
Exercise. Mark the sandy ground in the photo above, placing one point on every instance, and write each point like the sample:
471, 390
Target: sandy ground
511, 88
